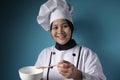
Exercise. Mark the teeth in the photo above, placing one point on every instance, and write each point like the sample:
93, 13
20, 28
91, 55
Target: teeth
61, 36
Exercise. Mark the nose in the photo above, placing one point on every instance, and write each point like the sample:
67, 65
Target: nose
60, 30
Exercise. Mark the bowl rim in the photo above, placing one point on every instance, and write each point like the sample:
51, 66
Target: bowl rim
31, 67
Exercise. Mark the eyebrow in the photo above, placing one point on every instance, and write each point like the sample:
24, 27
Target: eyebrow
61, 24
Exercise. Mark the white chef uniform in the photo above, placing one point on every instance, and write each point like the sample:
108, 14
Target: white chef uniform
82, 58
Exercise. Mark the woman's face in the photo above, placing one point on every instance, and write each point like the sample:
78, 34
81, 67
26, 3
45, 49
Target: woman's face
60, 31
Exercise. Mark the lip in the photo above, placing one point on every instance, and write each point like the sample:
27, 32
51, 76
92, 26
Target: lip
61, 37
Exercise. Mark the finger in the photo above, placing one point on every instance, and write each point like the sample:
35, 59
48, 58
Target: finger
63, 65
67, 75
65, 70
64, 61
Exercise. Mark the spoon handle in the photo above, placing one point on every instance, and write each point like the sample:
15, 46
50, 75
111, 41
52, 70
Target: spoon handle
43, 67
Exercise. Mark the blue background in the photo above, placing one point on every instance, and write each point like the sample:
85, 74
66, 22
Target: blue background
97, 26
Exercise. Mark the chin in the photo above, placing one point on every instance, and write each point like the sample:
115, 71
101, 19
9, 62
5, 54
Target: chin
61, 42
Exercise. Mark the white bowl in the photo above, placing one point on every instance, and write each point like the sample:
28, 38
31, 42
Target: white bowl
30, 73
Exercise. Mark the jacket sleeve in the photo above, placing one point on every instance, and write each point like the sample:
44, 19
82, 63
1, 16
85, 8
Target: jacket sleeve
93, 69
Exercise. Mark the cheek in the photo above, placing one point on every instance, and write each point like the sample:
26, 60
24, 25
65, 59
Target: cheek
69, 33
52, 34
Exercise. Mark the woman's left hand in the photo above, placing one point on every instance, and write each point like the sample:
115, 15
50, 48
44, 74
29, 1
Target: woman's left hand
68, 70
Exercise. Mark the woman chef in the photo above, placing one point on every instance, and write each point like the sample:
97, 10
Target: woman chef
73, 62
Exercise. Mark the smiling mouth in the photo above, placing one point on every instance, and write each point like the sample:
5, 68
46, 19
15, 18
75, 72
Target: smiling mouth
61, 36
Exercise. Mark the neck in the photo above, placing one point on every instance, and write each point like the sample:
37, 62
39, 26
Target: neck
70, 44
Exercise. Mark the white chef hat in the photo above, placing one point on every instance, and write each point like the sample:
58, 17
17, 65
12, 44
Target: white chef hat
52, 10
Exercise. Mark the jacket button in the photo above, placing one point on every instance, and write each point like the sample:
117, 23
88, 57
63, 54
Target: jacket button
74, 54
53, 53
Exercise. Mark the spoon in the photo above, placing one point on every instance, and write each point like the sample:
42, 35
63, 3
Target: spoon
43, 67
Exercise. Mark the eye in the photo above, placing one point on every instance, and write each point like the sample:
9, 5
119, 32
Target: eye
54, 27
65, 25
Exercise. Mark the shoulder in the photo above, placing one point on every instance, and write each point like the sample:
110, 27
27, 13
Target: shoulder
85, 51
48, 49
83, 48
45, 52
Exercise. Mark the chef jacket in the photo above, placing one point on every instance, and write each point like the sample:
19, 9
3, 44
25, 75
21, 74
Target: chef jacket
81, 57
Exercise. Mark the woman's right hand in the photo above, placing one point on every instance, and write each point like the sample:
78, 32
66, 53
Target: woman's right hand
68, 70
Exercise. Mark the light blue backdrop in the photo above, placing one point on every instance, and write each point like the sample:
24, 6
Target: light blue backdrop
97, 26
